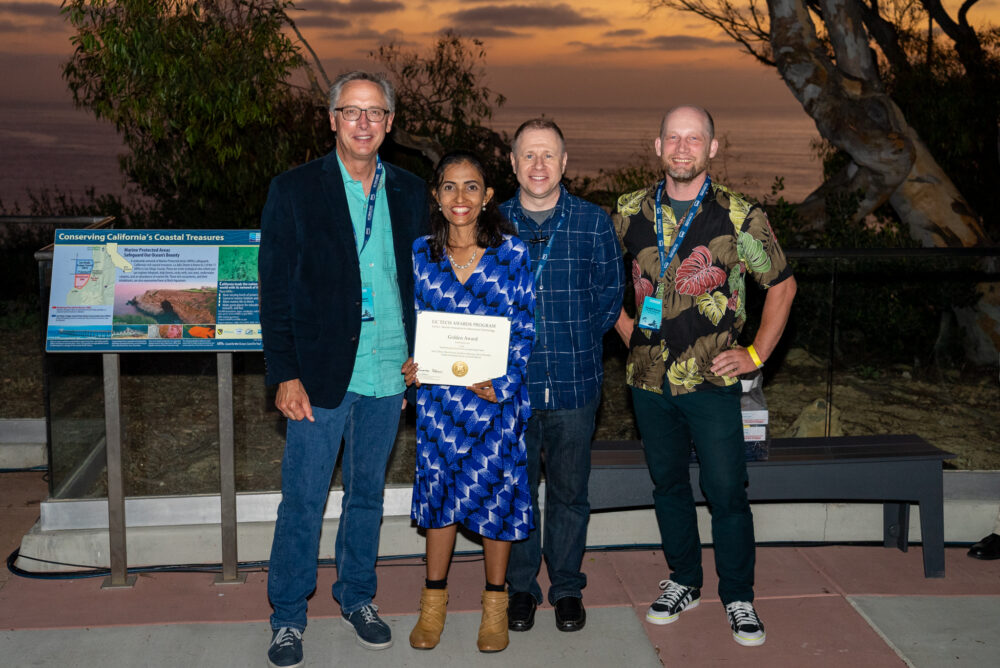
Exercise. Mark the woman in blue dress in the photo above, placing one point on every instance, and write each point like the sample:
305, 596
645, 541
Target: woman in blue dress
471, 462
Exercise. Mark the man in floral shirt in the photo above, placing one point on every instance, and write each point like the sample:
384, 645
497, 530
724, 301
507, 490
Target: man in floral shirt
684, 361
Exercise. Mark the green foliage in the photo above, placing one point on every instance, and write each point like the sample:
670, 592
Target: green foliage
887, 309
199, 92
19, 315
441, 98
867, 372
609, 185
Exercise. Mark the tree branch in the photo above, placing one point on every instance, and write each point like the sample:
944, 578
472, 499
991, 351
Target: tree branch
850, 41
886, 36
318, 90
851, 112
746, 26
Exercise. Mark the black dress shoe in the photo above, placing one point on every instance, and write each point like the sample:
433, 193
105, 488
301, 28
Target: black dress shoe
988, 548
521, 611
570, 615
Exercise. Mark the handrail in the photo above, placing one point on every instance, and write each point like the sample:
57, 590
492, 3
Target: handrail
53, 220
837, 254
87, 222
844, 253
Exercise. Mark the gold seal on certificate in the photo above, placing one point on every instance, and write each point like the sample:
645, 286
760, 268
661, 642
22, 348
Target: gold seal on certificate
460, 349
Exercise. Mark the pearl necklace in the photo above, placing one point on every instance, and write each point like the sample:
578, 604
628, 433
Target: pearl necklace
468, 264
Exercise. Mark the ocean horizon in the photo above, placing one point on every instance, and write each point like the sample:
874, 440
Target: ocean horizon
756, 144
53, 146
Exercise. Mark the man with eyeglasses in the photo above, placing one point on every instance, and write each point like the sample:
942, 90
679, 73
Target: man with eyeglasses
579, 281
336, 295
692, 244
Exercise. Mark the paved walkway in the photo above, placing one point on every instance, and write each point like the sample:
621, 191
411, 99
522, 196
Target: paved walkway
822, 606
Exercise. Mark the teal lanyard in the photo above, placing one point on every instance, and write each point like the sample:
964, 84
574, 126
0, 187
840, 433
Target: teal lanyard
665, 257
370, 211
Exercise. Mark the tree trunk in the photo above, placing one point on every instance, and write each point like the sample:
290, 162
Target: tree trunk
983, 77
931, 206
850, 109
429, 147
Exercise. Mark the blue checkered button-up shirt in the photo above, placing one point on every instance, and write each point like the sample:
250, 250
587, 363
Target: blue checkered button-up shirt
577, 299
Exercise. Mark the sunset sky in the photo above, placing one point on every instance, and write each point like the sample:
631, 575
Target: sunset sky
571, 52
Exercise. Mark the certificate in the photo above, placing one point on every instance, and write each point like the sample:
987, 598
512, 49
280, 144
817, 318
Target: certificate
460, 349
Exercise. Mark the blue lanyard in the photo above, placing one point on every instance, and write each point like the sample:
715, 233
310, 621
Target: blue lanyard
370, 211
548, 247
667, 258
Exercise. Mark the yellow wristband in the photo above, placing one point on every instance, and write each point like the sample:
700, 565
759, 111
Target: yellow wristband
754, 356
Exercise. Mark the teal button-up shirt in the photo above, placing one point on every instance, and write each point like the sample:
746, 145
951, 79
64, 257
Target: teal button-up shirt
382, 344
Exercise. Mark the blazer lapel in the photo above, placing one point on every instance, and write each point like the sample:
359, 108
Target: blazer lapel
401, 217
338, 223
397, 204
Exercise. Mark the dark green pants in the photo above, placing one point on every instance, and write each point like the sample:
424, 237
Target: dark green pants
711, 419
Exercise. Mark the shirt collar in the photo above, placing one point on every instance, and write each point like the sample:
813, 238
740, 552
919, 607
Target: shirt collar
348, 179
556, 212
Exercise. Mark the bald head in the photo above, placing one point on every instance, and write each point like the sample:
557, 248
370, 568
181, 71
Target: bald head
686, 145
709, 123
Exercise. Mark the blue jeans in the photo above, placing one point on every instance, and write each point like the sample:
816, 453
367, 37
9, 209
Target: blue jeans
712, 420
563, 436
368, 428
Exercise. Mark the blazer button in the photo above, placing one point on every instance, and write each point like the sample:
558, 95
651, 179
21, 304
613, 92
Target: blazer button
354, 338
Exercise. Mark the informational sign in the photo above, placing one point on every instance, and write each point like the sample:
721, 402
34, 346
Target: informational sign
154, 291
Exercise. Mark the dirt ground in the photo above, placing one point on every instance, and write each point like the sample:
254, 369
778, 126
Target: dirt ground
170, 410
956, 411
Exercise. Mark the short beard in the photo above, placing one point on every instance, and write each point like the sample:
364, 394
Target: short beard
682, 177
688, 175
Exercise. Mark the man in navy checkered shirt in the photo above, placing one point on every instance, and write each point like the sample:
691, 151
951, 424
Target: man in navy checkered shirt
579, 280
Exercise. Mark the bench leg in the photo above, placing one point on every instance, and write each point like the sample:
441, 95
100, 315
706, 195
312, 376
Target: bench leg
932, 533
896, 525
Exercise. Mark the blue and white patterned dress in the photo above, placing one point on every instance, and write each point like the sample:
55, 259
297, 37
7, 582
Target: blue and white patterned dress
471, 462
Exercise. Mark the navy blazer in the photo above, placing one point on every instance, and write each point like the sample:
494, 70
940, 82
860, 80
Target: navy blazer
310, 281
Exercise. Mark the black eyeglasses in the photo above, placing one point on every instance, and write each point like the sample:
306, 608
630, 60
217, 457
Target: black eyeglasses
539, 240
374, 114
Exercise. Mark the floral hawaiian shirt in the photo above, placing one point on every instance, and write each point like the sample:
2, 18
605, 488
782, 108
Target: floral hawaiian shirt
704, 296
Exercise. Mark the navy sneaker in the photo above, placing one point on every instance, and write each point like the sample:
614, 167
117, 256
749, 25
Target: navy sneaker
675, 599
371, 631
747, 629
286, 648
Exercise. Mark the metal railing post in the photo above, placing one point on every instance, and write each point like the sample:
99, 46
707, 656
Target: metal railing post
829, 357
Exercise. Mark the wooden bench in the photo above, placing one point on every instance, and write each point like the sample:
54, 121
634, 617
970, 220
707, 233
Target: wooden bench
896, 470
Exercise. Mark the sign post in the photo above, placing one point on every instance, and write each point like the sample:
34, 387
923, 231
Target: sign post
227, 474
117, 554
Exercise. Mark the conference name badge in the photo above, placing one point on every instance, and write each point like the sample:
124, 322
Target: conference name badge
367, 305
652, 314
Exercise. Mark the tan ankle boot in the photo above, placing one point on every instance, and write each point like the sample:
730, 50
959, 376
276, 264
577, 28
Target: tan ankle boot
433, 605
493, 635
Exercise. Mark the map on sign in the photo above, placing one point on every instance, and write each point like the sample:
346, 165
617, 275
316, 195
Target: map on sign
94, 277
154, 290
